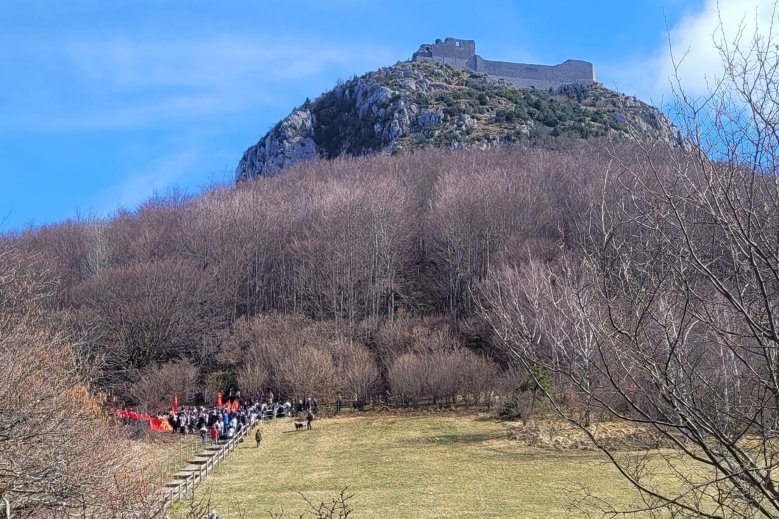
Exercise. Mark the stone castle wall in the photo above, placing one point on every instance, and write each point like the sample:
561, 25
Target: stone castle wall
462, 54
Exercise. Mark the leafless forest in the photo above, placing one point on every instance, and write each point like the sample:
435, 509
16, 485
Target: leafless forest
347, 277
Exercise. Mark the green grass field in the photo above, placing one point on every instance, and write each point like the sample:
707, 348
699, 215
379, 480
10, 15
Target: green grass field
408, 466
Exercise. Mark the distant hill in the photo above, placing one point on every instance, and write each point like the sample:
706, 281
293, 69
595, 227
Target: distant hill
415, 105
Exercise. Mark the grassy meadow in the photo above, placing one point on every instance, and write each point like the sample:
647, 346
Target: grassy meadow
427, 465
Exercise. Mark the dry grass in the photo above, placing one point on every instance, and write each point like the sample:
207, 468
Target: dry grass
410, 466
556, 434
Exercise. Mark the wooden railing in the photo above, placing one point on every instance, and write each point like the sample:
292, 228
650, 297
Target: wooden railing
185, 484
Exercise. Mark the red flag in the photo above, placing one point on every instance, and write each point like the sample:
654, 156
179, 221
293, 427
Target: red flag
175, 403
160, 425
235, 405
219, 400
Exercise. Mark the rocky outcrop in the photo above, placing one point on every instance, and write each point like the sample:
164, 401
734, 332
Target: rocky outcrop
416, 105
291, 141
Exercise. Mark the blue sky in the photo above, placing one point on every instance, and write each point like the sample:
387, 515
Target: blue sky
105, 102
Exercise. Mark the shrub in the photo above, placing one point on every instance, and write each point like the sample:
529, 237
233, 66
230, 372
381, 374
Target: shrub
310, 372
157, 384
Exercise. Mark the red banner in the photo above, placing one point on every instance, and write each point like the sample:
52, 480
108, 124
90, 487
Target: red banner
175, 403
160, 425
219, 400
132, 415
156, 424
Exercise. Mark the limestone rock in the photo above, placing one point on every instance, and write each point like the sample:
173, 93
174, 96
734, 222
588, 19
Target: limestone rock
466, 122
289, 142
430, 118
415, 105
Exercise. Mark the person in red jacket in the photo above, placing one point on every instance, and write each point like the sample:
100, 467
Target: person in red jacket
214, 434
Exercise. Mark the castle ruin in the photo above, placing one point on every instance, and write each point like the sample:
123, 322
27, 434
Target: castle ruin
462, 54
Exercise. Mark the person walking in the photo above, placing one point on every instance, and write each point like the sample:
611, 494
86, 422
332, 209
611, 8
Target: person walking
258, 437
214, 435
309, 419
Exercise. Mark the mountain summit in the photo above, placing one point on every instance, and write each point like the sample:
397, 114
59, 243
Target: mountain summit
449, 96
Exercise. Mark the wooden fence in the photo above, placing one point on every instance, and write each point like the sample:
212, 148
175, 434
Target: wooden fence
186, 480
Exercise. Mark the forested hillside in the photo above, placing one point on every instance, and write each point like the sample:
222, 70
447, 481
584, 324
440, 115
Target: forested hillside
334, 277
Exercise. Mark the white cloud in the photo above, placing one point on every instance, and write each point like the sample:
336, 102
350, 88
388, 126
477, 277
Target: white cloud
691, 44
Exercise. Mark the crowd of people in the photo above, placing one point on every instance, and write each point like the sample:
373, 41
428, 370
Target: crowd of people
223, 421
212, 424
277, 409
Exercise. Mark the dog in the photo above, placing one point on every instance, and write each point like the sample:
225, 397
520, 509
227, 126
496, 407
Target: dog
298, 426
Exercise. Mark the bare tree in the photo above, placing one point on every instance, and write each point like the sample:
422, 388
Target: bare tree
267, 346
476, 212
311, 372
158, 384
668, 316
357, 369
253, 377
59, 457
407, 377
149, 313
339, 507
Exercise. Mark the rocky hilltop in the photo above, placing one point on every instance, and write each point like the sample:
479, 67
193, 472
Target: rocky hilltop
413, 105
